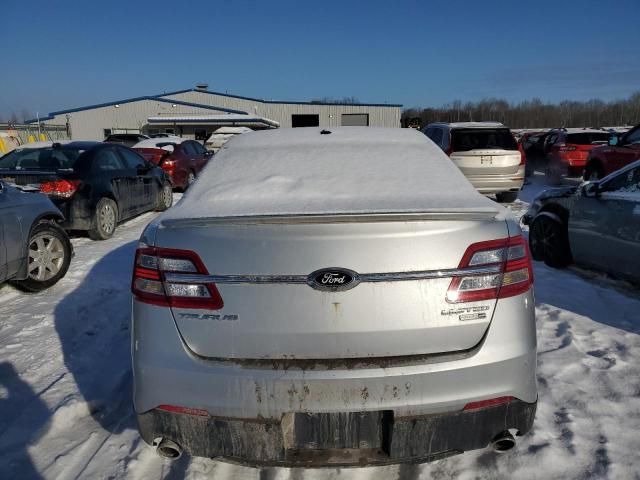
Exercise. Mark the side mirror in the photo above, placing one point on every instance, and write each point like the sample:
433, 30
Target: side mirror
613, 140
591, 189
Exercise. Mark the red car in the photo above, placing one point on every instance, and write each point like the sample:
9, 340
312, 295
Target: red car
621, 150
567, 149
181, 159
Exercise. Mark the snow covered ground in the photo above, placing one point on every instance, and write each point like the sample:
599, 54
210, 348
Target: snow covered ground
65, 386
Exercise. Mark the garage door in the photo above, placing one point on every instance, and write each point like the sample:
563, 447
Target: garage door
355, 119
305, 120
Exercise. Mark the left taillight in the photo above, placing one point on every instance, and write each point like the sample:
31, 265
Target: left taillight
153, 283
60, 188
497, 269
523, 156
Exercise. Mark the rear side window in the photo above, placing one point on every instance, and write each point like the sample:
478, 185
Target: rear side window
633, 137
628, 182
41, 158
435, 134
199, 148
107, 160
131, 158
587, 138
466, 139
187, 147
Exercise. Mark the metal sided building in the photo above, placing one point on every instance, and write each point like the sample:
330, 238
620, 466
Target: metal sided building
196, 113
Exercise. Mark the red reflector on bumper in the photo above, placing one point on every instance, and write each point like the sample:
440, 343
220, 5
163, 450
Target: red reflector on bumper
184, 410
487, 403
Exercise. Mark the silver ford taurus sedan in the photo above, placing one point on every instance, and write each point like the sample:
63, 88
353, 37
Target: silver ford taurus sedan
333, 297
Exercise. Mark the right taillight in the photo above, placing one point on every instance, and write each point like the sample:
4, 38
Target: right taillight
187, 288
497, 269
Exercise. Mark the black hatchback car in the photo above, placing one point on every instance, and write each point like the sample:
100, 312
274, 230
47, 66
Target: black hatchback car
95, 185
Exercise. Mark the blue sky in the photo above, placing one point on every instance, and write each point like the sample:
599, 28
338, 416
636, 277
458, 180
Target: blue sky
64, 54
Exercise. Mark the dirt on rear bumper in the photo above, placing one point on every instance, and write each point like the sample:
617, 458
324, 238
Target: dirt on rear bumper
336, 439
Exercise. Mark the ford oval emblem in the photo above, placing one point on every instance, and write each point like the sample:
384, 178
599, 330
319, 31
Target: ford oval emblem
333, 279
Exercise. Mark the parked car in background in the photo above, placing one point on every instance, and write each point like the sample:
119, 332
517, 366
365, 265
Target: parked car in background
486, 153
222, 135
182, 160
271, 323
126, 139
621, 150
532, 143
35, 251
596, 225
567, 150
95, 185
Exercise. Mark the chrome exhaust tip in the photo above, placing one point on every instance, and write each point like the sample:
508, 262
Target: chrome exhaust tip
169, 449
503, 442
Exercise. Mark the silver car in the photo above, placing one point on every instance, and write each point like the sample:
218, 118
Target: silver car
333, 297
34, 250
596, 225
486, 152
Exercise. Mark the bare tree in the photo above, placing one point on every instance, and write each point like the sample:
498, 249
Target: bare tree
534, 113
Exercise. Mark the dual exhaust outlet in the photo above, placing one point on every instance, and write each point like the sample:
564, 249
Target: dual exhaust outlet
170, 450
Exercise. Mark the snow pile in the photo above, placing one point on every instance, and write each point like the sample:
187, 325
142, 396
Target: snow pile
350, 170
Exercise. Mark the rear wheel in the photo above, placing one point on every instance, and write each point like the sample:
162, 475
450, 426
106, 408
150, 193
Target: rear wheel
549, 241
166, 198
506, 197
105, 220
49, 257
593, 172
190, 179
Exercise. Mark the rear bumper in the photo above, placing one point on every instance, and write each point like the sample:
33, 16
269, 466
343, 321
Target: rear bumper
367, 438
497, 183
417, 394
77, 213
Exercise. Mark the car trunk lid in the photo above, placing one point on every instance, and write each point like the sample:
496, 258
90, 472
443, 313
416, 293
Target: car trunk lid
398, 308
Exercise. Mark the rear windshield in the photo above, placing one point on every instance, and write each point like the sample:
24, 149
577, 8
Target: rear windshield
40, 158
588, 138
486, 138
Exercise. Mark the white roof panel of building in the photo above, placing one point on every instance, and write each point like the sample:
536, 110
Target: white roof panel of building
215, 119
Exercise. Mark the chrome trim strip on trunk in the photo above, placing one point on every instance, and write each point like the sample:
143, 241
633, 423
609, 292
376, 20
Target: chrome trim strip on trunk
363, 277
436, 214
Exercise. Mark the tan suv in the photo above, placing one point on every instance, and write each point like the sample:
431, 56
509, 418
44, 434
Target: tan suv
487, 154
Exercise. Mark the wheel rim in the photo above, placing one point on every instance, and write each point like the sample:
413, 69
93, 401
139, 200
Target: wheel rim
107, 218
593, 176
191, 178
545, 238
46, 257
167, 196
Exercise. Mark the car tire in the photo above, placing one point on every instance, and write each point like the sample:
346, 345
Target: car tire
105, 220
191, 177
506, 197
48, 259
166, 197
593, 172
549, 241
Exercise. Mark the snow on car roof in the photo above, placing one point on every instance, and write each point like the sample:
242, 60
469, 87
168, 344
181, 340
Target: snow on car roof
345, 170
154, 142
